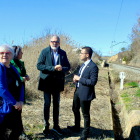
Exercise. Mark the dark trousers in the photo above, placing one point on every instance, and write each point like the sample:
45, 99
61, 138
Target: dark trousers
47, 103
12, 121
85, 107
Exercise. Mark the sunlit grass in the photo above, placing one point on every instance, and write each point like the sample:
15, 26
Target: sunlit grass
128, 106
124, 94
118, 103
138, 93
132, 84
127, 100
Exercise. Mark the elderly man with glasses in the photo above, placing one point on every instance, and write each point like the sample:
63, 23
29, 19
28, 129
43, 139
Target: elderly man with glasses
53, 64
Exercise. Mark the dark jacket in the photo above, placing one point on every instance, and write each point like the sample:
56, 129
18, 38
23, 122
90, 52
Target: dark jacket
6, 98
87, 82
51, 80
20, 73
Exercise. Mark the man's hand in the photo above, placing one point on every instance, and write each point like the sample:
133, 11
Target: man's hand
27, 78
18, 105
58, 68
24, 79
76, 78
21, 105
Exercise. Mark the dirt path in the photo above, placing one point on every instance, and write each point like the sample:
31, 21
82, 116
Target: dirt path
101, 119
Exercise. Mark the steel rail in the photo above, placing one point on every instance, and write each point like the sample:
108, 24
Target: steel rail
127, 66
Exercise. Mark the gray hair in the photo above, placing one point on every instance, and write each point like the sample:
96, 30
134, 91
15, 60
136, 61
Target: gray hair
6, 47
17, 49
56, 36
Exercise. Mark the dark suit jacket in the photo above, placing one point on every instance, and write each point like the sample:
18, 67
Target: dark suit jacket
51, 80
87, 82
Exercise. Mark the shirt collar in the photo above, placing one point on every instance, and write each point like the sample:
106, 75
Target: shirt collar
86, 63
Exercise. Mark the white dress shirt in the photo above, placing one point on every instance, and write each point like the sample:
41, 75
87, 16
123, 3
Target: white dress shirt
55, 55
86, 63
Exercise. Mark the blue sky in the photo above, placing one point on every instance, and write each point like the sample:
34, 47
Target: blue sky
88, 22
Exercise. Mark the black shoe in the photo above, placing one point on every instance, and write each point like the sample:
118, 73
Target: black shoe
57, 130
4, 138
74, 128
83, 138
46, 131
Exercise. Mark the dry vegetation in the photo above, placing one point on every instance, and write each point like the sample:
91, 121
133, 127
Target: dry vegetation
33, 110
33, 50
101, 118
130, 93
131, 54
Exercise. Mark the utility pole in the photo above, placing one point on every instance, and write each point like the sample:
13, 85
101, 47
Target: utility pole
111, 52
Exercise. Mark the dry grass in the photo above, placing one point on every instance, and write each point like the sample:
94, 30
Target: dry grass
101, 119
31, 55
33, 50
133, 51
130, 96
131, 54
33, 110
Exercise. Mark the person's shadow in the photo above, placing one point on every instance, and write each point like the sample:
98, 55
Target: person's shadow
95, 133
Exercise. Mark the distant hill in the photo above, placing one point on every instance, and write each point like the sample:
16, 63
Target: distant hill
105, 58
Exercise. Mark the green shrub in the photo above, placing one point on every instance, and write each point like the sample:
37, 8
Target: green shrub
132, 84
125, 58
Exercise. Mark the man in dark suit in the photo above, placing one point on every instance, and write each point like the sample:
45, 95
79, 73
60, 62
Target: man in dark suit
53, 64
85, 92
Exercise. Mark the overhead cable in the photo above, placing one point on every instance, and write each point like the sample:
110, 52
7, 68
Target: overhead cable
117, 21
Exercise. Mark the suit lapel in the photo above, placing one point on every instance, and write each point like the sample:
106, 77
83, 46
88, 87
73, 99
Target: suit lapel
59, 57
49, 57
86, 68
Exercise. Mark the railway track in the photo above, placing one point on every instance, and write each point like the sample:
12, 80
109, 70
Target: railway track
127, 66
131, 72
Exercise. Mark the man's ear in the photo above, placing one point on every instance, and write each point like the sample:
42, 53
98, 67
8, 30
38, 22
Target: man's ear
87, 55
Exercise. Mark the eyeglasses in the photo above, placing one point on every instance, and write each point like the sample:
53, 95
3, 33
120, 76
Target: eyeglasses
7, 53
55, 42
83, 53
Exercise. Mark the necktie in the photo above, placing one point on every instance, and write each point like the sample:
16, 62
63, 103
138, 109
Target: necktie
81, 69
80, 73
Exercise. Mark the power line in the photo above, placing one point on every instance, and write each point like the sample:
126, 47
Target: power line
117, 21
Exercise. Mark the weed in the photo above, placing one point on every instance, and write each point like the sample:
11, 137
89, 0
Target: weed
40, 126
72, 85
35, 138
127, 106
138, 93
127, 100
124, 94
106, 78
132, 84
118, 103
30, 134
